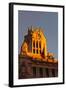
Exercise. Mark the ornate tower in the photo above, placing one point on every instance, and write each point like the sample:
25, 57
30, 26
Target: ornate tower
35, 43
34, 59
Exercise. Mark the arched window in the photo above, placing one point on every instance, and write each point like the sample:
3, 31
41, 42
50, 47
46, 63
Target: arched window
33, 44
37, 51
40, 44
36, 44
33, 50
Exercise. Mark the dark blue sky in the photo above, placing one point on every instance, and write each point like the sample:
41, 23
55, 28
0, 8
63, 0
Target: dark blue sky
46, 20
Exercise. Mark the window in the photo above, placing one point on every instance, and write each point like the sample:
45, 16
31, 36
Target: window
40, 44
53, 72
47, 72
37, 51
40, 51
41, 72
34, 71
34, 44
36, 47
33, 50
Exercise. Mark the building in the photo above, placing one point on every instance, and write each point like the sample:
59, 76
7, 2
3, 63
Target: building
34, 59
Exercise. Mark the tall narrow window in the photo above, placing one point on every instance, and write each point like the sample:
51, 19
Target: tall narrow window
36, 44
37, 51
41, 72
33, 50
34, 71
40, 44
43, 52
47, 72
53, 72
40, 51
33, 44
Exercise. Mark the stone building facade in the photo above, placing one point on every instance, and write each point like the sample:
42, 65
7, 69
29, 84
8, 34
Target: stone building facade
34, 59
